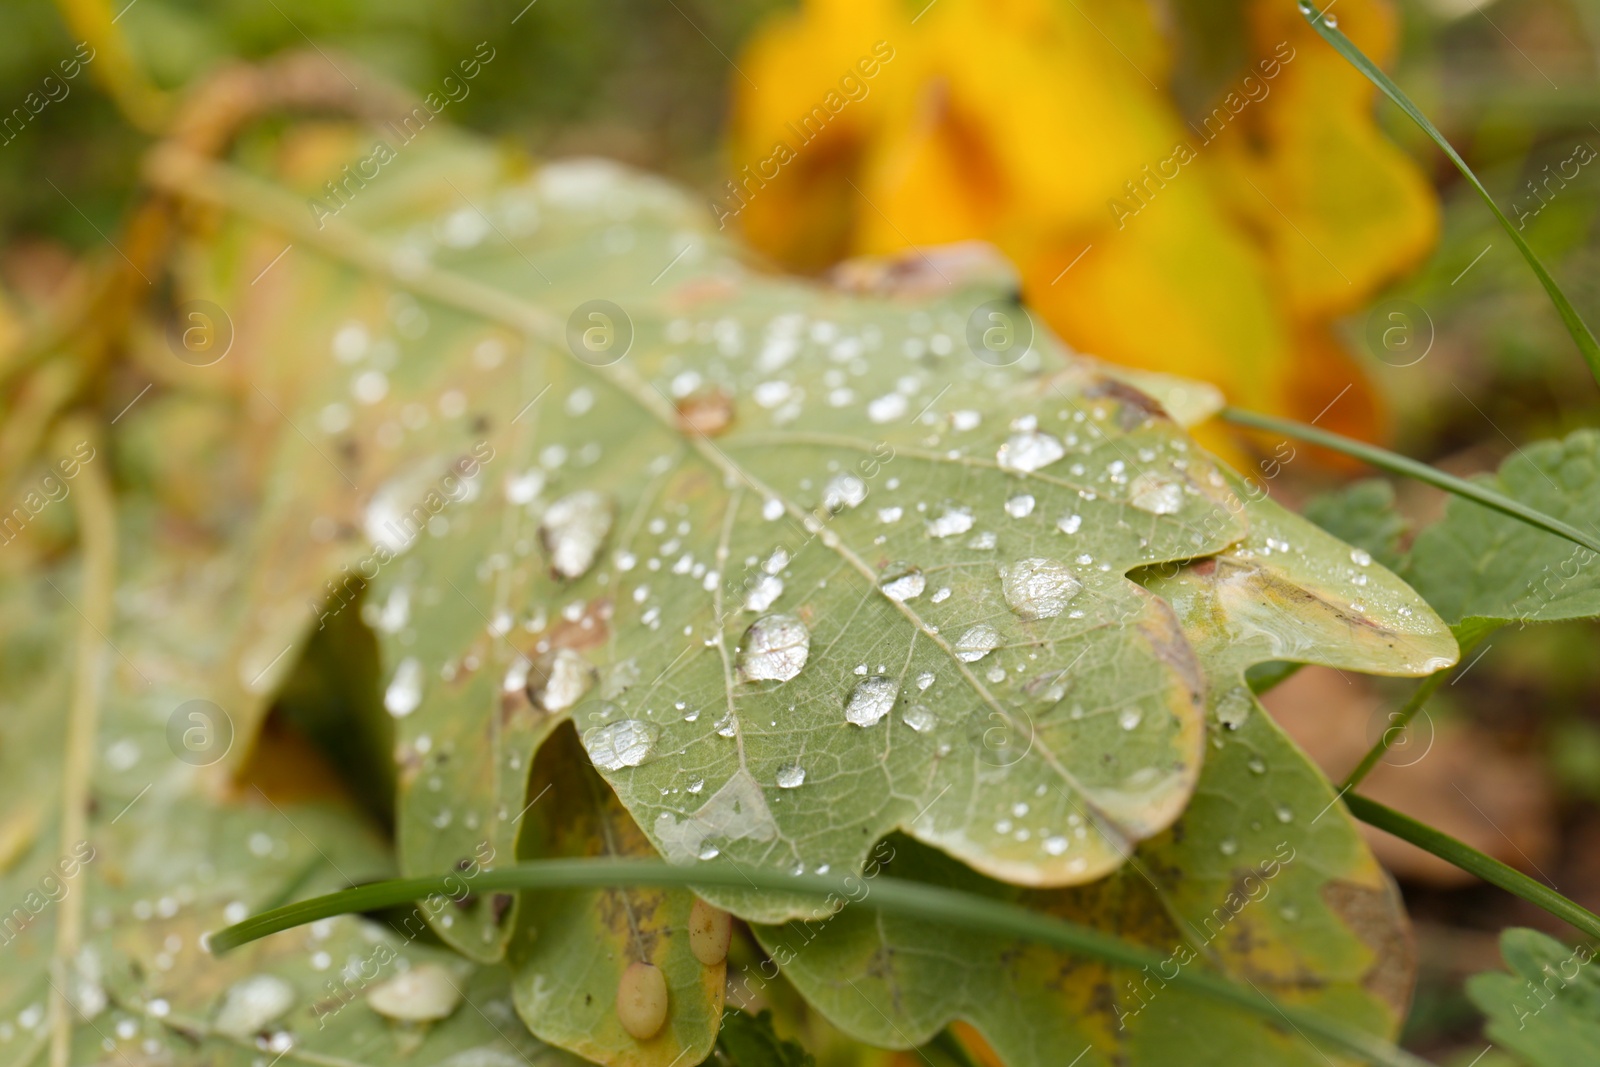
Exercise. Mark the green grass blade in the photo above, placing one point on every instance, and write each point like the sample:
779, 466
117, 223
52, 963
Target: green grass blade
1579, 329
1394, 463
1471, 860
891, 895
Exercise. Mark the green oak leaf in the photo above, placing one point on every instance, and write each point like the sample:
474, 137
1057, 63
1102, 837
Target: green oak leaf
573, 947
1264, 876
787, 562
1547, 1010
1480, 567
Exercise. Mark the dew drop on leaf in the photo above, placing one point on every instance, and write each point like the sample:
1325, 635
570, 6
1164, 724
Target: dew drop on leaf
764, 592
1069, 524
977, 643
558, 680
251, 1003
1029, 451
919, 718
627, 743
775, 648
902, 581
1234, 707
1020, 506
404, 692
1155, 494
1038, 588
950, 521
572, 531
791, 776
843, 491
871, 700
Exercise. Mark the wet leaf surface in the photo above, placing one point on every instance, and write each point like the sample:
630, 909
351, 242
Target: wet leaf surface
1264, 876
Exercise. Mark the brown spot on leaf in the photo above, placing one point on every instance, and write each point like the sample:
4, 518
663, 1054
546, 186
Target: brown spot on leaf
707, 413
1137, 407
1376, 916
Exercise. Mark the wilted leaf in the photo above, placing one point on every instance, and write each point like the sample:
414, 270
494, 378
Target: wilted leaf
171, 854
1477, 566
1547, 1010
1264, 875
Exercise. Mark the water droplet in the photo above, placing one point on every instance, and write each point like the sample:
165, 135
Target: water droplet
1155, 494
977, 643
919, 718
1228, 846
627, 743
252, 1003
1130, 718
775, 648
1056, 844
726, 727
1284, 813
772, 509
524, 488
1330, 20
1234, 707
887, 408
791, 776
1360, 557
951, 521
572, 531
764, 592
902, 581
1257, 765
924, 680
1029, 451
1020, 506
1069, 524
871, 700
843, 491
942, 595
557, 680
1038, 588
404, 693
696, 785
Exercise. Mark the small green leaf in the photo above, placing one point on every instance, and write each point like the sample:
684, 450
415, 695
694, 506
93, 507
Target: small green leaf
748, 1040
1477, 566
1363, 514
1547, 1010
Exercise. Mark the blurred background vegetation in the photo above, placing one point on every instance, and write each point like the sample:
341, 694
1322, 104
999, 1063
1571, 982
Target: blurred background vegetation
1515, 85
